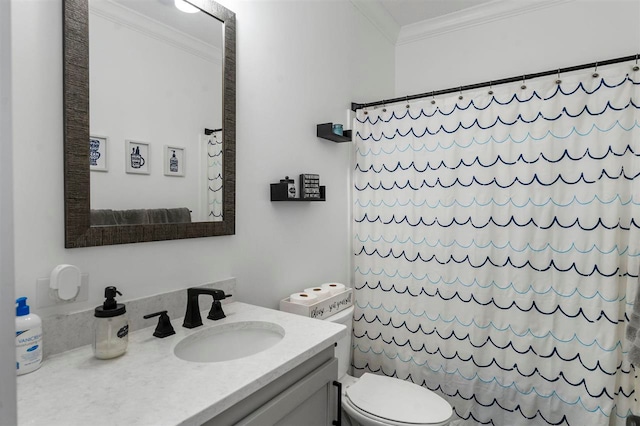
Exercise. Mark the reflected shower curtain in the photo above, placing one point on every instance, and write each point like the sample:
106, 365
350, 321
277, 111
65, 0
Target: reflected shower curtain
496, 242
214, 177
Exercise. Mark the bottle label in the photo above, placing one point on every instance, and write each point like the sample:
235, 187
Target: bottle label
123, 331
28, 348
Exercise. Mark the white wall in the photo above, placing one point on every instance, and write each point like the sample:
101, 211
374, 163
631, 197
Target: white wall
7, 300
298, 64
147, 86
563, 35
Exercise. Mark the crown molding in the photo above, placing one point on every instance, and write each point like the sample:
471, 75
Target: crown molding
380, 18
471, 17
135, 21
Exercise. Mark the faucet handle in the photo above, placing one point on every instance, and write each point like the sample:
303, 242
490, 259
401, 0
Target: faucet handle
219, 294
164, 327
216, 311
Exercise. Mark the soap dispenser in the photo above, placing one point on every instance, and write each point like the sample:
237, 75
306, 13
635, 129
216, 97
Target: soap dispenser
111, 327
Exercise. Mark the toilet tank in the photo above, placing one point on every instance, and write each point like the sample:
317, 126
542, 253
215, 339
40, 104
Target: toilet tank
343, 348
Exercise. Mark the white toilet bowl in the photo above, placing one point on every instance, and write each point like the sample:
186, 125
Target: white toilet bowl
374, 400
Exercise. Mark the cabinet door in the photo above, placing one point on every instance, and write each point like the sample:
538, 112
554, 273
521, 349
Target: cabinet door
311, 402
314, 411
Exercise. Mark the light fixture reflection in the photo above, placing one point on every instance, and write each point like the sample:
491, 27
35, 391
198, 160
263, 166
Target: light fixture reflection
185, 7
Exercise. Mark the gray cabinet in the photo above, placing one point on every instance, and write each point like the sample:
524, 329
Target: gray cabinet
308, 402
303, 396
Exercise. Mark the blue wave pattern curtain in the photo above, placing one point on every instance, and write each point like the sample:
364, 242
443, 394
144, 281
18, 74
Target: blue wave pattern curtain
496, 242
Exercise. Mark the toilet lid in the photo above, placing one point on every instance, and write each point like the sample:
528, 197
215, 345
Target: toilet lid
398, 400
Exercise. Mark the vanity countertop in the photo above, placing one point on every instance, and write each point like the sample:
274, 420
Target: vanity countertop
149, 385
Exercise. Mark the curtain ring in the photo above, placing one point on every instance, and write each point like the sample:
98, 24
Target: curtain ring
595, 72
558, 81
384, 107
407, 101
524, 86
364, 110
636, 67
433, 98
460, 97
490, 88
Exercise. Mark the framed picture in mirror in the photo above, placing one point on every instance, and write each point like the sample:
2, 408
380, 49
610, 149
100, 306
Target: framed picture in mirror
174, 160
98, 153
137, 157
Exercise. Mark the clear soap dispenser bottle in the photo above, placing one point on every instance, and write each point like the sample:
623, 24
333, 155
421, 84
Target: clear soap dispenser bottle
111, 327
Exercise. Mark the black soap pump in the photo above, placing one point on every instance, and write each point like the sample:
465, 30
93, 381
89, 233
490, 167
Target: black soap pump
111, 327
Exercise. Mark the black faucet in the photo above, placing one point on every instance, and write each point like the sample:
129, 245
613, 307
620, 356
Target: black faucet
192, 318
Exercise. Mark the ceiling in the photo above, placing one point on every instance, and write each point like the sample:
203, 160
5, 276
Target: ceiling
403, 12
406, 12
199, 25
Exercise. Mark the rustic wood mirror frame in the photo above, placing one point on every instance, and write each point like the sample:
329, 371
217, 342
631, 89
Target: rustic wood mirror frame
78, 232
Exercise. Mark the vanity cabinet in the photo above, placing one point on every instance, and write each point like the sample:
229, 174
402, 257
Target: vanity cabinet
304, 396
290, 383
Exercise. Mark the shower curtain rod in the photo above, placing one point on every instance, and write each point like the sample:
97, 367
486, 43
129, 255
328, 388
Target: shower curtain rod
356, 106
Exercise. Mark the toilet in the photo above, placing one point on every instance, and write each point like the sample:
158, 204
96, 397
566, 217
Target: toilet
374, 400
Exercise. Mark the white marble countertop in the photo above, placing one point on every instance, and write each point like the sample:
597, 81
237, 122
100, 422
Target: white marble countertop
150, 386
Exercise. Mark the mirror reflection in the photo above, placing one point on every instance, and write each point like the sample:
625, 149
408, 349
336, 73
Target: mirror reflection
156, 141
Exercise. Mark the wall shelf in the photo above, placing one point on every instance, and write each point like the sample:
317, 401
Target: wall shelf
278, 195
325, 131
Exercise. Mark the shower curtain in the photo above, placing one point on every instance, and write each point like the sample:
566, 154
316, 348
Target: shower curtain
496, 241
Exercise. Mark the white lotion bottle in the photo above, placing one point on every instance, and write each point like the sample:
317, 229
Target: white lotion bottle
28, 338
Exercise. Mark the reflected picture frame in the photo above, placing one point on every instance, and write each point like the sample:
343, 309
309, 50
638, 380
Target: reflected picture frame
98, 146
137, 157
175, 160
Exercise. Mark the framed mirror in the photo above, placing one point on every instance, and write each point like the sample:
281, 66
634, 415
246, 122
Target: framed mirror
149, 123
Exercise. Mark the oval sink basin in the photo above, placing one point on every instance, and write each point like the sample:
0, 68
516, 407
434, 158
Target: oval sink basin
229, 341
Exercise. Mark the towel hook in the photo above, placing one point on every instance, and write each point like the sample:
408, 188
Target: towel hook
558, 81
595, 72
636, 67
490, 88
460, 97
524, 86
433, 98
